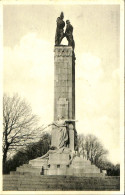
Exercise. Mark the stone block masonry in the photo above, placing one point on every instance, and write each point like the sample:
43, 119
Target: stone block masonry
64, 82
64, 88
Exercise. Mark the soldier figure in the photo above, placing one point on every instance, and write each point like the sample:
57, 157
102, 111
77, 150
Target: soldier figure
59, 30
69, 34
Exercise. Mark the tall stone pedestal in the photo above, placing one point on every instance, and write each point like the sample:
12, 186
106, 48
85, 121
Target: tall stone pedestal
64, 82
64, 90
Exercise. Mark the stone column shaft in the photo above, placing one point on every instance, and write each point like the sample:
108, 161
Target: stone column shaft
64, 87
64, 82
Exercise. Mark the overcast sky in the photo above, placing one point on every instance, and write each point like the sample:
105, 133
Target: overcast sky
29, 32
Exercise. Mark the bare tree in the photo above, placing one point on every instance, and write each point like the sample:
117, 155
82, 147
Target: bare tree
19, 124
81, 143
93, 147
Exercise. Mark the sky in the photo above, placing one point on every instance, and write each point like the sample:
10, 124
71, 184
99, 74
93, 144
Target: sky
29, 33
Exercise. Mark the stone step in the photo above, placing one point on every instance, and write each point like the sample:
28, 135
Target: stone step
61, 183
89, 175
59, 178
87, 162
80, 159
63, 186
82, 164
82, 172
38, 162
25, 173
40, 188
84, 182
43, 182
84, 168
26, 165
71, 172
15, 173
28, 169
10, 188
41, 177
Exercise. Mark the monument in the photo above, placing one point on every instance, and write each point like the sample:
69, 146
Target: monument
62, 167
62, 158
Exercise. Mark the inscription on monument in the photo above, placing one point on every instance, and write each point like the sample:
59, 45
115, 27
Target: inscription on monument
62, 106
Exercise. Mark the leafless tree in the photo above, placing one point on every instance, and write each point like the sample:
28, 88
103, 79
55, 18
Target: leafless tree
93, 147
81, 143
19, 124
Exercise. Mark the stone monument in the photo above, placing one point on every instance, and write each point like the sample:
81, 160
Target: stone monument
63, 167
62, 158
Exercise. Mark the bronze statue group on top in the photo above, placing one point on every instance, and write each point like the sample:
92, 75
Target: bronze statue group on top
60, 32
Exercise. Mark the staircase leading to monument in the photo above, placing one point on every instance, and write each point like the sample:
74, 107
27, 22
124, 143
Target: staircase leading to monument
31, 182
39, 176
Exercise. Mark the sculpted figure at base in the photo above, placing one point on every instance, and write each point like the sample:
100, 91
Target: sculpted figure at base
62, 136
62, 133
61, 126
59, 29
69, 34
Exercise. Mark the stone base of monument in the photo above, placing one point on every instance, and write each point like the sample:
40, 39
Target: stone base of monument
60, 164
59, 173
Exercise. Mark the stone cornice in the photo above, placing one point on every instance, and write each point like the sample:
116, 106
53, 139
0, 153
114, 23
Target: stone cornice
63, 51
